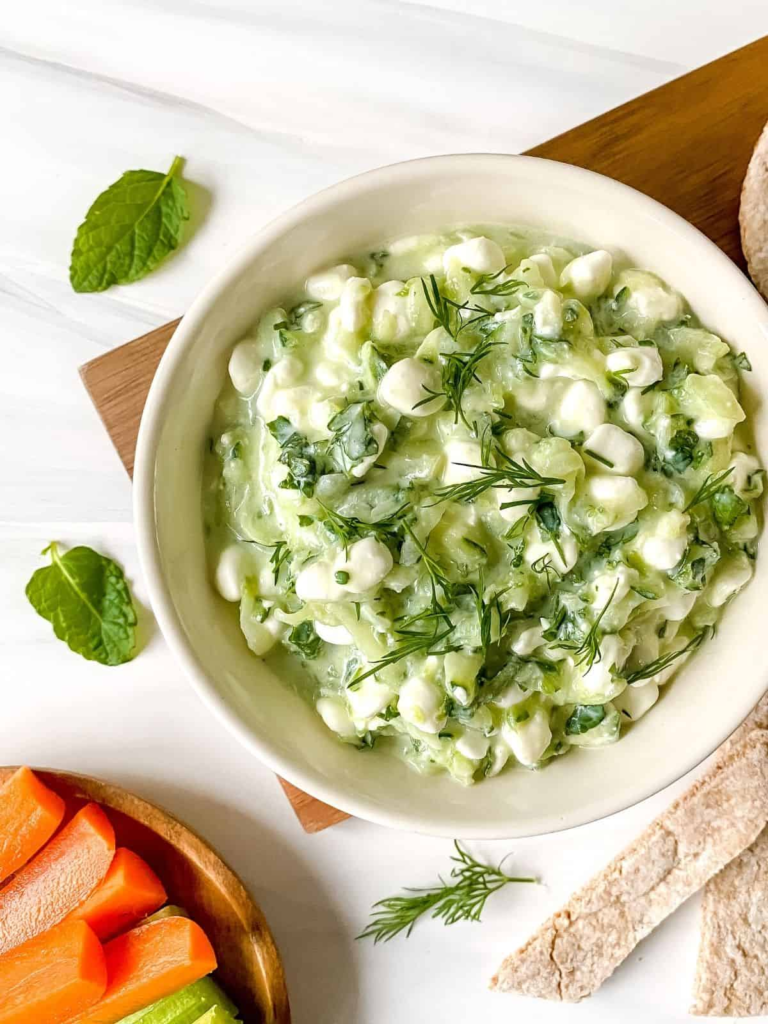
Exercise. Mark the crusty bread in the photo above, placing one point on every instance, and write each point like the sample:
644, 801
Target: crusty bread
732, 968
753, 214
574, 952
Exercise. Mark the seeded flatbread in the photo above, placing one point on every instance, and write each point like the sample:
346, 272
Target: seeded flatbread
753, 214
732, 968
573, 953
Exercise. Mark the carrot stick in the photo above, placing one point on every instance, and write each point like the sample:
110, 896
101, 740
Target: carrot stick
130, 891
58, 879
54, 977
149, 963
29, 815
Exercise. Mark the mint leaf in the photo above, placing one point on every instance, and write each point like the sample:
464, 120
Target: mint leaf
85, 597
129, 230
583, 718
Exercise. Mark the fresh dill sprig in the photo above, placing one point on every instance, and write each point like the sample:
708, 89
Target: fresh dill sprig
507, 474
461, 898
485, 612
543, 567
437, 577
349, 528
410, 642
459, 369
483, 286
281, 553
587, 651
449, 314
709, 488
654, 667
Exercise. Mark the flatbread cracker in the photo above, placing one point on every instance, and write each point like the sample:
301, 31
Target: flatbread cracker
753, 214
732, 967
581, 945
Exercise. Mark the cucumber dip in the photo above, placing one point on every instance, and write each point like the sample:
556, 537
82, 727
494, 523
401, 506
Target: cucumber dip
488, 489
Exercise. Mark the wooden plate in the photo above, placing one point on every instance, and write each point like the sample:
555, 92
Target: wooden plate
196, 878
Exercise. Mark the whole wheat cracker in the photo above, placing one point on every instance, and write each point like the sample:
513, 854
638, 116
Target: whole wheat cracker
732, 966
753, 214
582, 944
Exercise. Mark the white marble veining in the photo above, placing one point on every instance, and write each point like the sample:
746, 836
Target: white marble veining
270, 100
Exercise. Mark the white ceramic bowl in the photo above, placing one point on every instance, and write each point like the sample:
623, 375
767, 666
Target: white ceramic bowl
709, 698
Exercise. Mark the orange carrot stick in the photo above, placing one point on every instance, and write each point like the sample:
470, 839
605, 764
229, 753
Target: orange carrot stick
29, 815
149, 963
54, 977
130, 891
58, 879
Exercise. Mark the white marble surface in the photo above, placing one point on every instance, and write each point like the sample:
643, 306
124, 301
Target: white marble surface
270, 100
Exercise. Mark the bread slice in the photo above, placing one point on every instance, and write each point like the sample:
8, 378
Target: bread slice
573, 953
732, 968
753, 215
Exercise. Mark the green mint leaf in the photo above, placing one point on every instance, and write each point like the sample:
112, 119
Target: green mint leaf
727, 507
130, 228
305, 641
583, 718
86, 599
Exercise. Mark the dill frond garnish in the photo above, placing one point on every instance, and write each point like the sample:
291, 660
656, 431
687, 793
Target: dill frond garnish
587, 651
654, 667
461, 898
507, 474
709, 488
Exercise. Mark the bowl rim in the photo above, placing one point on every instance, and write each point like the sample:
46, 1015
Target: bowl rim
143, 493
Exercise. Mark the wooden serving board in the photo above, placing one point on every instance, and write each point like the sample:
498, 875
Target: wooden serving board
686, 144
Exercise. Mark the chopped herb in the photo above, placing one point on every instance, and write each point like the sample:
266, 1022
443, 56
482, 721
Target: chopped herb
741, 361
680, 451
305, 641
583, 718
507, 474
600, 458
484, 286
306, 520
411, 642
349, 528
709, 488
587, 651
543, 566
452, 316
379, 258
461, 898
352, 439
280, 555
654, 667
727, 507
342, 577
296, 316
266, 365
459, 369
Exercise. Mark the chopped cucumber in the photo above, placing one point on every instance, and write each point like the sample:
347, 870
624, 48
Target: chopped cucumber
187, 1006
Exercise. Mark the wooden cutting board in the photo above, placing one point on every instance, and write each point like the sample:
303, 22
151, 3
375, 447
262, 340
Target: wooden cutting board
686, 144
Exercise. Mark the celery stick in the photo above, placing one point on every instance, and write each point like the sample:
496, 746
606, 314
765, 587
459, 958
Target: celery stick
186, 1006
